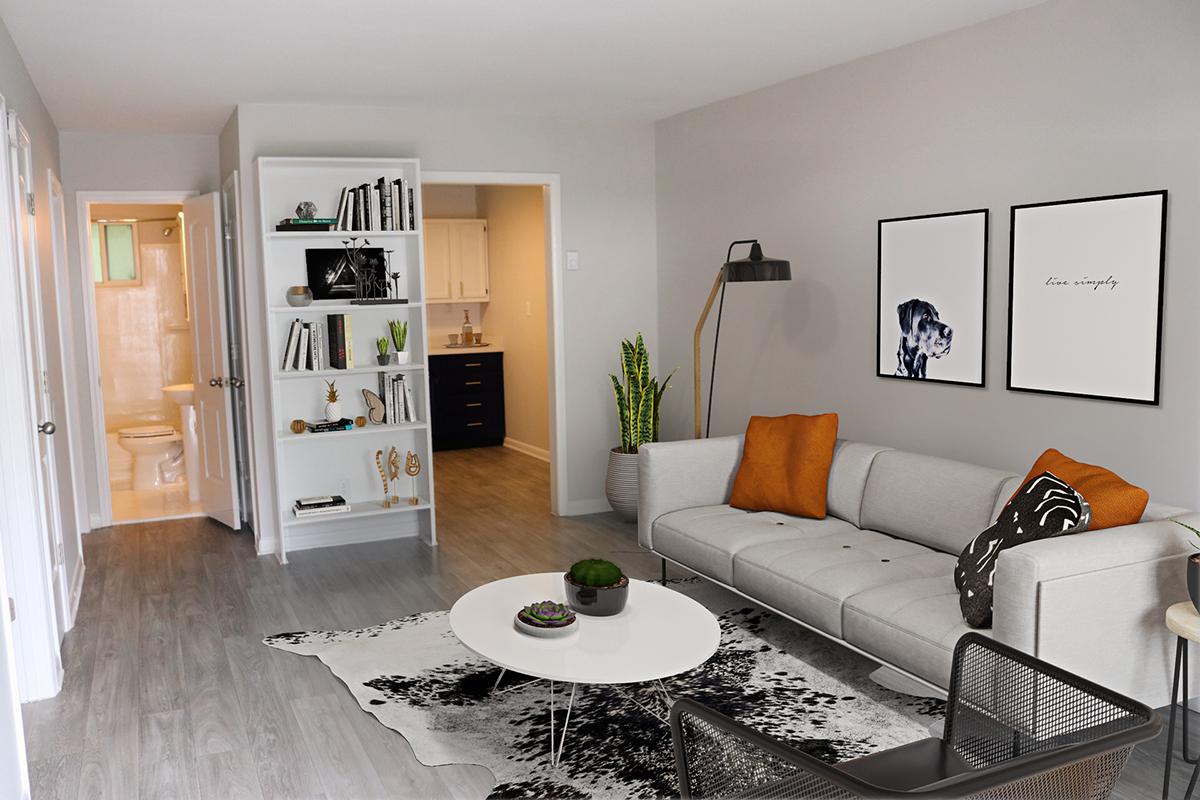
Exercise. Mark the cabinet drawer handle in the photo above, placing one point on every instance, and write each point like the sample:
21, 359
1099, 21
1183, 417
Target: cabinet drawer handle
474, 424
474, 405
474, 364
472, 383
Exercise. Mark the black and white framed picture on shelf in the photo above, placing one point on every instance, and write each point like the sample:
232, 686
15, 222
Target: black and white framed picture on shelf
1086, 297
932, 297
334, 275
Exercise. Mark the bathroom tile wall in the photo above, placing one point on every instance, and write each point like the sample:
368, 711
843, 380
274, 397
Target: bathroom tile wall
144, 338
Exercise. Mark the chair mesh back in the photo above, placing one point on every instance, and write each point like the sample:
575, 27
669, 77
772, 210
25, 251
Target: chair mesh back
1090, 779
1004, 704
723, 766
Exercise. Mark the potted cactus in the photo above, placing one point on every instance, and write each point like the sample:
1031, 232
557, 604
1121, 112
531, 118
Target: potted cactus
638, 400
546, 618
400, 339
596, 587
381, 344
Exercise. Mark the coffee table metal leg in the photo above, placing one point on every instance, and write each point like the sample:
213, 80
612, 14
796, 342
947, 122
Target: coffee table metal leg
556, 756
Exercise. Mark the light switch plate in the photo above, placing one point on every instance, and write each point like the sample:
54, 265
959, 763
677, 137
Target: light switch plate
572, 260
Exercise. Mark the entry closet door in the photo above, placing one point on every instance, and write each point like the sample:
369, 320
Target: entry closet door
214, 385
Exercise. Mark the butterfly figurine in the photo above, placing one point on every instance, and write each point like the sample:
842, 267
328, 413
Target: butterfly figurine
375, 407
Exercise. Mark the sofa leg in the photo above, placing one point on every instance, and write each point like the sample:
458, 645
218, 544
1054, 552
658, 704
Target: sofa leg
664, 571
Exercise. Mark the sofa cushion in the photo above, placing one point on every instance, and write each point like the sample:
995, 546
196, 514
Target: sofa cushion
914, 625
810, 575
785, 465
706, 539
848, 477
1113, 500
936, 502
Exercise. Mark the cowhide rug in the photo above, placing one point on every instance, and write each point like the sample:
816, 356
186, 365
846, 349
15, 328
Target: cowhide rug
771, 674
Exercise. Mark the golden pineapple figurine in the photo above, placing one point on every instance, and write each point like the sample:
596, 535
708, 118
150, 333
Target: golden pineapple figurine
333, 409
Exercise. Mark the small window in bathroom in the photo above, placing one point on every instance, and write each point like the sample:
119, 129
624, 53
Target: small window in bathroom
114, 254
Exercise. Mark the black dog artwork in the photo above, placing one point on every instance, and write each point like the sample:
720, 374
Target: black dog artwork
922, 336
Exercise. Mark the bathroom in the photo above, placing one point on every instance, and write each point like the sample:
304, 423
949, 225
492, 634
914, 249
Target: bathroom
145, 349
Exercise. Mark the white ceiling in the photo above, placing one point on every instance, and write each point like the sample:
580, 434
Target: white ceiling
166, 65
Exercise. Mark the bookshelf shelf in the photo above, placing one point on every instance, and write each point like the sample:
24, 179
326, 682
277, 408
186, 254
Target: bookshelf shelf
342, 308
378, 430
339, 373
367, 508
339, 234
342, 462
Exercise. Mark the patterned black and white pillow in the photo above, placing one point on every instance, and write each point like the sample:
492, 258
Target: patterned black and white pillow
1046, 506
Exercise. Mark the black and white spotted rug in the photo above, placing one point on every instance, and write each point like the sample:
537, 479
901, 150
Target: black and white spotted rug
771, 674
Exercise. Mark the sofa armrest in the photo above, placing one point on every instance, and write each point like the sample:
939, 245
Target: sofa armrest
1093, 602
684, 474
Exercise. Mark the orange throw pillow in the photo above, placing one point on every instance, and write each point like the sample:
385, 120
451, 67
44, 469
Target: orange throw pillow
785, 465
1114, 501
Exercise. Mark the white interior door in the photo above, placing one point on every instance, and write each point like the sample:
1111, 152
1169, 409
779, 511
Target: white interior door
214, 385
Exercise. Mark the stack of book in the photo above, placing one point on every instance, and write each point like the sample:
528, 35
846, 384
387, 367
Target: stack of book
398, 402
291, 224
325, 427
318, 506
312, 346
388, 205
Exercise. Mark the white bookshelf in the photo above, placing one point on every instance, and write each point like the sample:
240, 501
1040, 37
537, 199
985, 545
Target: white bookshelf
342, 462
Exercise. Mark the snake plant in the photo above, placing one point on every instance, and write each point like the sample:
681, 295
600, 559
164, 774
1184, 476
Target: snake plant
399, 333
638, 399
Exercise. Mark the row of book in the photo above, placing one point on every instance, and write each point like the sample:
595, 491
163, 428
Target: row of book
344, 424
315, 346
305, 225
397, 396
319, 506
388, 205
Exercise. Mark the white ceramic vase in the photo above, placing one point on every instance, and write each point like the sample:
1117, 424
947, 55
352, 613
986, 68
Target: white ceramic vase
403, 357
333, 412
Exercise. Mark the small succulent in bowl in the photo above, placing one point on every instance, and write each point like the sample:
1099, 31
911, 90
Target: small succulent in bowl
595, 572
546, 614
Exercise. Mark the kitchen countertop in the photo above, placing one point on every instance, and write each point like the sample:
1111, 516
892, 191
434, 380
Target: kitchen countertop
443, 350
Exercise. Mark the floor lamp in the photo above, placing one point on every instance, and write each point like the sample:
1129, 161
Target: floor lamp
756, 267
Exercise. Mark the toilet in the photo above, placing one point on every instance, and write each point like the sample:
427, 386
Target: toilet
151, 447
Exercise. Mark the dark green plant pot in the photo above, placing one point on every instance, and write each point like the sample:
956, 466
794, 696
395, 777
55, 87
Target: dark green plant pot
1193, 579
595, 601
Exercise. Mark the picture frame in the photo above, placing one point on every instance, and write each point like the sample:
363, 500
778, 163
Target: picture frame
1085, 302
931, 298
332, 277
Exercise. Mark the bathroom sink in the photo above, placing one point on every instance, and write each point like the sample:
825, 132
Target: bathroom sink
180, 393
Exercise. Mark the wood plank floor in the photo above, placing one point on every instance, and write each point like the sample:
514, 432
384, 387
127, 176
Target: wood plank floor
169, 693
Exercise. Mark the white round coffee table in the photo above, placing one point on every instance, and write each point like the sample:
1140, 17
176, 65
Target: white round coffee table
660, 633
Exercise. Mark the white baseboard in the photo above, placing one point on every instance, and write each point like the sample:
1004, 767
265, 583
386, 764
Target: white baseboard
94, 522
528, 449
76, 592
576, 508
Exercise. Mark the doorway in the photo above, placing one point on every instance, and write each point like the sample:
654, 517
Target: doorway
492, 265
142, 340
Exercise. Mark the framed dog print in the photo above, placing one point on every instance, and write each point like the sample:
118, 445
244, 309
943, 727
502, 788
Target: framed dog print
932, 302
1086, 295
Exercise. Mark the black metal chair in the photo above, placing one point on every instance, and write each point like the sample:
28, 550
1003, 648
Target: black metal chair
1016, 727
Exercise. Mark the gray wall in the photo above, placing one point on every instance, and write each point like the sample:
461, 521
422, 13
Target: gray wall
1067, 99
121, 162
22, 97
607, 176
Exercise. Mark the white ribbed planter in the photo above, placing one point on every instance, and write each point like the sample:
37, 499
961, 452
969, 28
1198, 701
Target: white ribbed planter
621, 484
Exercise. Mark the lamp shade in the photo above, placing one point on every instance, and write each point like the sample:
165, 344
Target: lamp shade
757, 267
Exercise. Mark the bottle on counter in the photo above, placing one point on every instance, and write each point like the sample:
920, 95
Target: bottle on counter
467, 329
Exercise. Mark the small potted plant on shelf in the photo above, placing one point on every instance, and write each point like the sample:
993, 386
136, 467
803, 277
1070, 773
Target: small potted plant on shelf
1193, 567
596, 587
638, 400
546, 618
381, 344
400, 339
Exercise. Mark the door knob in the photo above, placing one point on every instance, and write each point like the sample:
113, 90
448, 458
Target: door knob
214, 382
47, 428
236, 383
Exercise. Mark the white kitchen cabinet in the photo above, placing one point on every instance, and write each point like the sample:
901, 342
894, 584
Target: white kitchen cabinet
456, 266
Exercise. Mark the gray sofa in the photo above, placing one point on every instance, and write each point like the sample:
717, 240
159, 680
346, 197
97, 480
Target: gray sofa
877, 572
